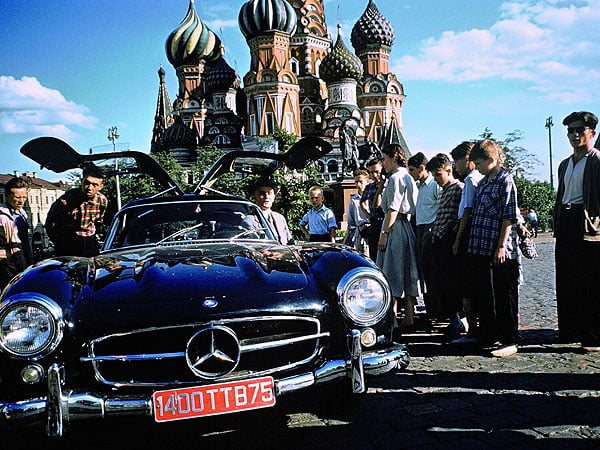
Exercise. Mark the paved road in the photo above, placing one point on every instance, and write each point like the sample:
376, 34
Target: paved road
546, 396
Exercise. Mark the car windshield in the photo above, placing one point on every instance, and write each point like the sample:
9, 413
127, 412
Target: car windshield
182, 222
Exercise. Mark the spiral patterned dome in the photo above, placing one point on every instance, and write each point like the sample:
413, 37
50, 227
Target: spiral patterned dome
221, 77
372, 28
340, 63
192, 41
260, 16
179, 135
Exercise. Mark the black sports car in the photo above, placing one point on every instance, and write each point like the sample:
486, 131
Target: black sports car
192, 309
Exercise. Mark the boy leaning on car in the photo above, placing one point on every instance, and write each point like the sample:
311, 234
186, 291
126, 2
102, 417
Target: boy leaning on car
73, 217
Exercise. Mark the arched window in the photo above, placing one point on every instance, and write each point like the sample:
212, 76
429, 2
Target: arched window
307, 115
332, 166
222, 140
295, 66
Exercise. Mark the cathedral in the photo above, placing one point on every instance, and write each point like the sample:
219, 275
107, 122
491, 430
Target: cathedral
299, 80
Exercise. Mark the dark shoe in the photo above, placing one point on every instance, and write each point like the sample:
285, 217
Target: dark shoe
464, 340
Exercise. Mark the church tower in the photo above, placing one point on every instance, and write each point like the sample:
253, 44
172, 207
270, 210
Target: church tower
223, 125
271, 87
191, 48
309, 46
341, 70
380, 94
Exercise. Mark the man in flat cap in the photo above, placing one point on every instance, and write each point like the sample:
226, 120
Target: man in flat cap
263, 192
577, 232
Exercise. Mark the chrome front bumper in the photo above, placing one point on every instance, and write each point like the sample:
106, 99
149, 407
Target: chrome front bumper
62, 407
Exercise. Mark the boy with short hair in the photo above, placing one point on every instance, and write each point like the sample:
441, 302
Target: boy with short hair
493, 272
73, 218
426, 209
318, 224
443, 231
370, 203
355, 216
471, 177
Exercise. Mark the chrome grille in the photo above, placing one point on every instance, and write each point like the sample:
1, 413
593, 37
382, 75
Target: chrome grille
156, 356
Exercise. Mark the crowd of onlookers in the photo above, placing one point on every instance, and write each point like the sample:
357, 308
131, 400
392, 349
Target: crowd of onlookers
450, 229
447, 228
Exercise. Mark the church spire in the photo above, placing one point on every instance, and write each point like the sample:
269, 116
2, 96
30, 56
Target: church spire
163, 118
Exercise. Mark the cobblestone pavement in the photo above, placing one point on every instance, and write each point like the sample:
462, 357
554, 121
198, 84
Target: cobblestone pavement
545, 396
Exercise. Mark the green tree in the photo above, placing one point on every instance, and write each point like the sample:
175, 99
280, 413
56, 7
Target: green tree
536, 195
284, 139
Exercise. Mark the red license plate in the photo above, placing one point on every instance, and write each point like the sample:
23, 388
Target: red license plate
222, 398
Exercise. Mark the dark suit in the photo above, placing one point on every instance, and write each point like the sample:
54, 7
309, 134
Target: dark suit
281, 227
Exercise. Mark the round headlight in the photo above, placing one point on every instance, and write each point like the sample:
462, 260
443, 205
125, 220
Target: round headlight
30, 326
364, 296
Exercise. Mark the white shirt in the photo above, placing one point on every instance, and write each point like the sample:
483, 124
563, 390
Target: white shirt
574, 182
427, 198
468, 194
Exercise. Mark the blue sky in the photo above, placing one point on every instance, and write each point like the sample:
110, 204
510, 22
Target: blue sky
72, 68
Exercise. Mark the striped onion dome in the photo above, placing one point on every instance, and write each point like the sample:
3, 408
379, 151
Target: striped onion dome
372, 29
192, 41
340, 63
221, 77
261, 16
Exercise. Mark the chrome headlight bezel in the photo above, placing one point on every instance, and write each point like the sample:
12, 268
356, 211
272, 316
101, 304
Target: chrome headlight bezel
349, 306
45, 306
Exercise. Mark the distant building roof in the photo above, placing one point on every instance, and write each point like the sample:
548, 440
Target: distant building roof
34, 180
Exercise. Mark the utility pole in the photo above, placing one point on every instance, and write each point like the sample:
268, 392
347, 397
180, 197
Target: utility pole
113, 135
549, 125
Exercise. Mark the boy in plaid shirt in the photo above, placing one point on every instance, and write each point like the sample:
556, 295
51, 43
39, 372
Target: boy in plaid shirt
492, 271
73, 218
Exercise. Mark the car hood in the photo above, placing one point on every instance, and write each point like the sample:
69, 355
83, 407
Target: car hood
168, 273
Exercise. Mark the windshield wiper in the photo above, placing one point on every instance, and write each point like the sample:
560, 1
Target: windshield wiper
182, 231
246, 232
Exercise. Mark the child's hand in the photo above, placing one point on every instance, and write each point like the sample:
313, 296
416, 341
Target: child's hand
500, 256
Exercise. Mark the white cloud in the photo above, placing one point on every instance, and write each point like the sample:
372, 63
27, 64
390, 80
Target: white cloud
219, 24
540, 43
27, 107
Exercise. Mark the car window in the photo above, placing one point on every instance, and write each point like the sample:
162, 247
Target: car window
164, 223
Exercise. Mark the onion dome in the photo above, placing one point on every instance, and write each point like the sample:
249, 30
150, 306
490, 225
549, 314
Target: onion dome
221, 77
261, 16
372, 29
179, 135
192, 41
340, 63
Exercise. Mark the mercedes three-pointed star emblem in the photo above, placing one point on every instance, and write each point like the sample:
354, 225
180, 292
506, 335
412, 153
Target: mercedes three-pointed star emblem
213, 352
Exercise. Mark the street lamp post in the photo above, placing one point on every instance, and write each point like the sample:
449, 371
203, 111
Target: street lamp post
549, 125
113, 135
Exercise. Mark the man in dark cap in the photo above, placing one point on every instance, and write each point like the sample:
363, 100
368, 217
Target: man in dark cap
263, 192
577, 232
